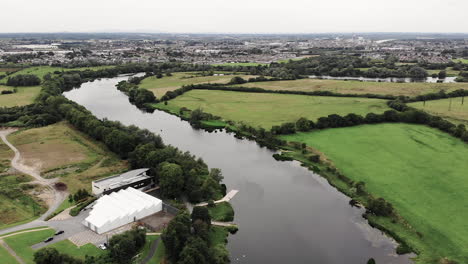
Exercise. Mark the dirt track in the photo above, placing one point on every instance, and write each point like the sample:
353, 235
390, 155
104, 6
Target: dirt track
56, 197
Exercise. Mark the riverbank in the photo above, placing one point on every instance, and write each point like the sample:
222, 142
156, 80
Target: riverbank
410, 234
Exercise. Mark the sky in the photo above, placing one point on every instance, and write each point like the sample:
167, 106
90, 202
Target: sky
234, 16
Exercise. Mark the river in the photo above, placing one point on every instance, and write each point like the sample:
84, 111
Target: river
285, 213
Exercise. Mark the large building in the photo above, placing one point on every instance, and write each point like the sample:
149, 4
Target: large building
120, 208
137, 179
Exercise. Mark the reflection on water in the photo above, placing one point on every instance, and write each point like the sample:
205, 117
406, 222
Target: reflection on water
286, 214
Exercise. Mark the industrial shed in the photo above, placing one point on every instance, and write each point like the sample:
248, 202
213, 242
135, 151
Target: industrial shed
120, 208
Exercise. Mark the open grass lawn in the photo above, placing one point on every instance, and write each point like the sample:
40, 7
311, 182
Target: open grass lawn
450, 109
67, 247
461, 60
450, 72
23, 96
420, 170
40, 71
218, 235
266, 110
357, 87
221, 212
22, 243
161, 86
59, 150
6, 258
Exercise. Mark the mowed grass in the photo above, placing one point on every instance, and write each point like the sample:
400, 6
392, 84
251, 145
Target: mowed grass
420, 170
41, 71
266, 110
59, 150
5, 257
451, 109
22, 243
23, 96
67, 247
357, 87
221, 212
461, 60
161, 86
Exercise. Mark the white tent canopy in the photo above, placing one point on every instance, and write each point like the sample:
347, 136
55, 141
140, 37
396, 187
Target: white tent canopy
120, 208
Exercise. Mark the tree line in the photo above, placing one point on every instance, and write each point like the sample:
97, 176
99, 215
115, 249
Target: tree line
23, 80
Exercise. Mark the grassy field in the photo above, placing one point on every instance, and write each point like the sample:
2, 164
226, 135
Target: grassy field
59, 150
356, 87
67, 247
461, 60
234, 64
420, 170
6, 258
161, 86
450, 72
16, 205
22, 243
450, 109
40, 71
23, 96
221, 212
267, 110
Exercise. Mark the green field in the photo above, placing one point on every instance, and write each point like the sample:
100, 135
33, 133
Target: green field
244, 64
420, 170
266, 110
357, 87
40, 71
22, 243
222, 212
161, 86
23, 96
67, 247
450, 109
461, 60
450, 72
6, 258
59, 150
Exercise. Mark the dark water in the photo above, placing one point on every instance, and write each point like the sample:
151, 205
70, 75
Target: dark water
285, 213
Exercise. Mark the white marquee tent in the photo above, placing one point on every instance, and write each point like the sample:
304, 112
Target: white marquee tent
120, 208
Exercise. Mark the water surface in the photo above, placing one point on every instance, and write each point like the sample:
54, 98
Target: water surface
286, 214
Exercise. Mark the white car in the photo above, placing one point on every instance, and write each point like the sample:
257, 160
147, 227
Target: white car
102, 246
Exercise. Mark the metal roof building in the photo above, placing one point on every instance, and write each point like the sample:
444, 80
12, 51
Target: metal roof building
120, 208
134, 178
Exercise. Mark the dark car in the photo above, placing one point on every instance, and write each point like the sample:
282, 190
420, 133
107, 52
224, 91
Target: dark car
59, 232
49, 239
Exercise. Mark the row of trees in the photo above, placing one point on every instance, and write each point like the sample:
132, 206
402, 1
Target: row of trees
23, 80
138, 96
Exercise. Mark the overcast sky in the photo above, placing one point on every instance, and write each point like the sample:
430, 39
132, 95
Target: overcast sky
234, 16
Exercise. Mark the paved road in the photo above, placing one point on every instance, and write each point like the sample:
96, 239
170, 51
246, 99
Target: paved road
59, 196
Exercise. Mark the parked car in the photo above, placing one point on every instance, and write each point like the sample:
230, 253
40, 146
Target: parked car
102, 246
59, 232
48, 239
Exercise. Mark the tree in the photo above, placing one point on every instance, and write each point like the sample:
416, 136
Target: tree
371, 261
47, 256
220, 255
195, 252
442, 74
302, 124
216, 174
380, 207
201, 213
176, 235
417, 72
237, 80
171, 180
124, 247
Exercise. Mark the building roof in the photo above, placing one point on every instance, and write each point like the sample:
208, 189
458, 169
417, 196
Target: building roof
122, 179
120, 204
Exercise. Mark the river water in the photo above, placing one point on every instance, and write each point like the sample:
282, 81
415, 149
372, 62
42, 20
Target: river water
285, 213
